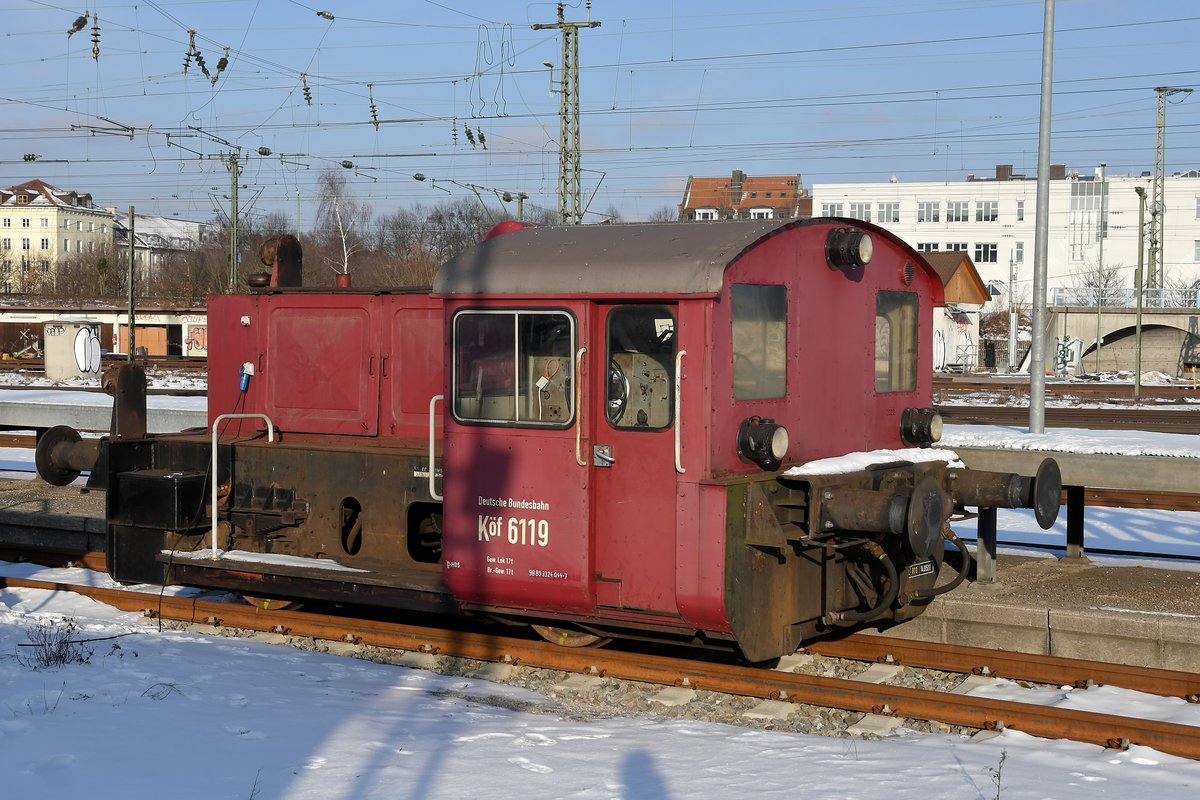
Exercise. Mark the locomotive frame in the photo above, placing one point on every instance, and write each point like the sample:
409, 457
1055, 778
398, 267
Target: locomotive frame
603, 430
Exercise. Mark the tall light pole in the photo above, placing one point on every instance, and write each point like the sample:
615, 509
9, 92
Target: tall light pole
1037, 358
1137, 284
1100, 265
1012, 314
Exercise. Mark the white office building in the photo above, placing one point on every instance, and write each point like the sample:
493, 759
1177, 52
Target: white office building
992, 219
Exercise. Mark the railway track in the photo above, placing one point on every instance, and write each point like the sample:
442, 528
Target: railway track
154, 362
1075, 391
963, 710
151, 391
1162, 420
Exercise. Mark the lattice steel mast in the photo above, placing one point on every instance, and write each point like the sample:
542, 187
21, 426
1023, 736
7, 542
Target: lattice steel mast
570, 208
1154, 276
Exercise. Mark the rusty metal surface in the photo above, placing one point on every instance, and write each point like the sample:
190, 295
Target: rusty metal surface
965, 710
1017, 666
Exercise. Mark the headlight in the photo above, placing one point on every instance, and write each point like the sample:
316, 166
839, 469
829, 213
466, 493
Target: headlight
848, 247
763, 442
920, 426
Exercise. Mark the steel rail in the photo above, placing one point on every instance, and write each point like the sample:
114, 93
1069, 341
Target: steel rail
964, 710
199, 363
1179, 420
1091, 392
1016, 666
151, 391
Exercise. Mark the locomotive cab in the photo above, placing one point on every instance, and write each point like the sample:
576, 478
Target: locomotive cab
678, 460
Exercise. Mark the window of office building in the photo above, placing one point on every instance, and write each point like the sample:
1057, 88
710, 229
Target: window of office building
957, 211
1019, 252
831, 209
861, 211
927, 247
889, 213
1020, 211
987, 210
985, 253
929, 212
956, 247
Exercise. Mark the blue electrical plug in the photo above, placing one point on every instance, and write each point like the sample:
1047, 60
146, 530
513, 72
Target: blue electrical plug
246, 371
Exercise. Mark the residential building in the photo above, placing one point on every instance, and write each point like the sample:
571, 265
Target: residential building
993, 221
742, 196
157, 238
41, 225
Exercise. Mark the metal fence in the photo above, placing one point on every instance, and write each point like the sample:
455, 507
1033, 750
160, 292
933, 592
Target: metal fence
1125, 297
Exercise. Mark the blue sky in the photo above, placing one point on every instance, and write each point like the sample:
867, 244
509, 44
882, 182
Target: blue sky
832, 91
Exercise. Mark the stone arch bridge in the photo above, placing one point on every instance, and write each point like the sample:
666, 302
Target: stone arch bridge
1170, 338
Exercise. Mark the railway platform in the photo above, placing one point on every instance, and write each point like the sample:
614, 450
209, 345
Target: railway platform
1071, 607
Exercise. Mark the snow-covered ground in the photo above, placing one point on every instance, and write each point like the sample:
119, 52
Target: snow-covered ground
185, 716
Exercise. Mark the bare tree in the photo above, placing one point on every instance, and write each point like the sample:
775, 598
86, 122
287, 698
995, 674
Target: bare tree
103, 274
664, 214
1104, 284
1180, 291
610, 214
188, 277
342, 222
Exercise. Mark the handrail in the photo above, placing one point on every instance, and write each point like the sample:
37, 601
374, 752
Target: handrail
432, 438
579, 407
221, 418
678, 420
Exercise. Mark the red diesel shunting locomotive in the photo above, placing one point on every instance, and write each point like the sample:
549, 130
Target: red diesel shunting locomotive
635, 432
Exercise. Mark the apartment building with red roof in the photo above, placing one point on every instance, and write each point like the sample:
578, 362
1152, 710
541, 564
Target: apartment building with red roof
742, 196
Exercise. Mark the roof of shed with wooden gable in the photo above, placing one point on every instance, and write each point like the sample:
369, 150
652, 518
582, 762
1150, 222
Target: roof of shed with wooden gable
959, 277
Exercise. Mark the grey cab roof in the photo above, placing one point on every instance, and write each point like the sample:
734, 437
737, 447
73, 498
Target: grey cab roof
622, 259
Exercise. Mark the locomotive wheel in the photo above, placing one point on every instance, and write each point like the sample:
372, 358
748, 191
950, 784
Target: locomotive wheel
568, 637
272, 603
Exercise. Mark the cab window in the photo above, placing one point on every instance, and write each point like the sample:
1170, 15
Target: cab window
759, 341
896, 342
514, 367
640, 390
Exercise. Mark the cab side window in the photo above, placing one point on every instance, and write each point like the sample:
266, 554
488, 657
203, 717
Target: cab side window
514, 367
641, 367
759, 341
896, 342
